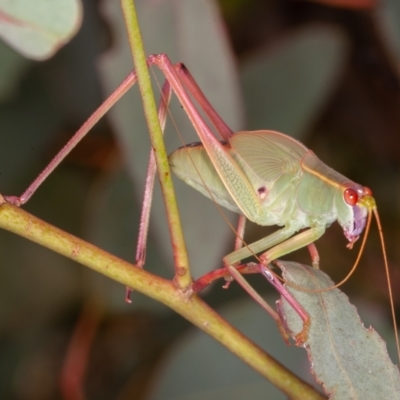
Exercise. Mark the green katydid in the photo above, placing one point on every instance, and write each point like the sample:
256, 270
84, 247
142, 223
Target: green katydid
266, 176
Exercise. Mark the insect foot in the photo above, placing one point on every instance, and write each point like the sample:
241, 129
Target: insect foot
301, 337
14, 200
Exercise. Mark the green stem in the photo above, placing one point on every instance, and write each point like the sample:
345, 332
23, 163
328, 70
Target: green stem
192, 308
182, 273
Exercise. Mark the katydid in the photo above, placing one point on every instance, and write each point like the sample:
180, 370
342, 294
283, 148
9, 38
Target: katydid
265, 176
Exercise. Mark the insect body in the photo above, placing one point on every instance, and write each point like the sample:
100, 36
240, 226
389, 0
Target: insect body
285, 184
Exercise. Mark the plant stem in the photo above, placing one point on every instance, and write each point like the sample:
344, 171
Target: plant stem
192, 308
182, 272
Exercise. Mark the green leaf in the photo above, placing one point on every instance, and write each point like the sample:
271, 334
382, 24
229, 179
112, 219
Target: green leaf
37, 29
351, 361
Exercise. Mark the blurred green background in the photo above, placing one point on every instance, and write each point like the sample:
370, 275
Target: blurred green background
323, 73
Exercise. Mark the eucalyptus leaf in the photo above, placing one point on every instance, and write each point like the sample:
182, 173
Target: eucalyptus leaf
37, 29
350, 361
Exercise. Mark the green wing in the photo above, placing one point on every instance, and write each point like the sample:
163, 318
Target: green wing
267, 155
188, 163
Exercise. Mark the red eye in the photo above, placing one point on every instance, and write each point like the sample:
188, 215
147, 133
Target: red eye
350, 197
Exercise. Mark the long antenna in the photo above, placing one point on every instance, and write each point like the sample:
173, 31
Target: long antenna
378, 222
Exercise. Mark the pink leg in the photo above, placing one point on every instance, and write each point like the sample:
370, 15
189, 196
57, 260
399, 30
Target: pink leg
253, 268
194, 89
205, 280
150, 177
129, 81
178, 85
303, 335
148, 190
271, 277
242, 282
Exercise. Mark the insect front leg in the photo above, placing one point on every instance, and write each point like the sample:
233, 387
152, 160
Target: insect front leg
278, 244
296, 242
261, 245
242, 252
